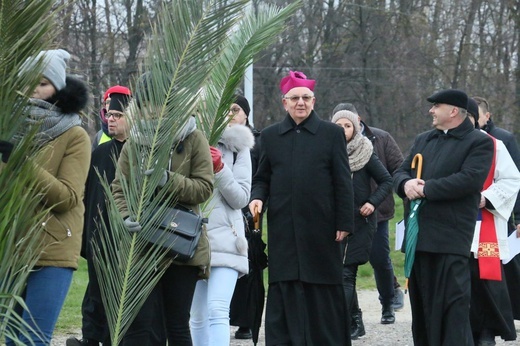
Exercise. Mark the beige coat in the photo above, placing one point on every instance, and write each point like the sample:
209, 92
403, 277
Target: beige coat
61, 170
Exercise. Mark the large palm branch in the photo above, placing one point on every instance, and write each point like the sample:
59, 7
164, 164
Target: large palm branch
253, 33
25, 29
197, 47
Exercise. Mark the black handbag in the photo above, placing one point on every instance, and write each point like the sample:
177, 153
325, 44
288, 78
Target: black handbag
178, 231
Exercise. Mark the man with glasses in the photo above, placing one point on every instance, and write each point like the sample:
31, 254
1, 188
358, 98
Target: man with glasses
103, 135
104, 159
304, 176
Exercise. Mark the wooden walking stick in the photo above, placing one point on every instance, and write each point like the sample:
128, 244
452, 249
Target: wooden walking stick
256, 219
417, 160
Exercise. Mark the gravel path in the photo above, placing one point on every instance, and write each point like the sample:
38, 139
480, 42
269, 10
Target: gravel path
377, 334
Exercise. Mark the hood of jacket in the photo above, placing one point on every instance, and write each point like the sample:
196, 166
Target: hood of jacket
73, 98
237, 138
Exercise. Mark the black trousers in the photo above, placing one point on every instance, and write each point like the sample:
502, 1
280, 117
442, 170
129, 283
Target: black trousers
382, 264
166, 313
440, 292
238, 310
94, 324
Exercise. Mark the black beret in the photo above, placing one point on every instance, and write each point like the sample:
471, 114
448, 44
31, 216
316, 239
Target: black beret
454, 97
242, 102
473, 110
118, 102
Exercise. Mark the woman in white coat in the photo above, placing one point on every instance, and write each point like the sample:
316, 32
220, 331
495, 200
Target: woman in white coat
209, 321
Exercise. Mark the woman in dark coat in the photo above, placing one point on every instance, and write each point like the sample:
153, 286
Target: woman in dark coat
364, 166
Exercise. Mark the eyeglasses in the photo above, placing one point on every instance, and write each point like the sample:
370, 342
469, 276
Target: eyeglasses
116, 116
235, 110
305, 98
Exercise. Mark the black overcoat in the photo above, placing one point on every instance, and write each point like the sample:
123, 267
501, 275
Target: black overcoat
359, 244
455, 165
104, 159
304, 177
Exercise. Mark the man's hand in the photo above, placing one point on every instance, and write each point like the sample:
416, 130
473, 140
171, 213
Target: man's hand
255, 204
482, 203
414, 189
340, 235
367, 209
518, 230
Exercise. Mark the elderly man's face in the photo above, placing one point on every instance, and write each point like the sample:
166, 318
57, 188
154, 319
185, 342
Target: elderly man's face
299, 102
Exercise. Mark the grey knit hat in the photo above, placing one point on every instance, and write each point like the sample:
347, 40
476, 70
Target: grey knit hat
354, 118
54, 65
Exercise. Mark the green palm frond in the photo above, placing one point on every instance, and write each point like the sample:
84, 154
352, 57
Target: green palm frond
254, 32
197, 47
25, 29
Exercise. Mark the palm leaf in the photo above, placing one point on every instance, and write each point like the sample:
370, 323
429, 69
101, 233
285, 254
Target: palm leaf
191, 48
255, 32
25, 29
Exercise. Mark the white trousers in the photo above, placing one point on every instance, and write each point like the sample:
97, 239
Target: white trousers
209, 321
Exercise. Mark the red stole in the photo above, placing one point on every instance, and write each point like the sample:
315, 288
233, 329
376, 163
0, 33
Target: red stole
488, 252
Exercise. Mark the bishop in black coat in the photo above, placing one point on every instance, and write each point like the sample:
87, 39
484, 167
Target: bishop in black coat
304, 176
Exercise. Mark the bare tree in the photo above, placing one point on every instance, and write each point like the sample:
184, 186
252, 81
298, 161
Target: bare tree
385, 56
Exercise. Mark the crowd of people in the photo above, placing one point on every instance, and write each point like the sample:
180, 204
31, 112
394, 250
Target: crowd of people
325, 187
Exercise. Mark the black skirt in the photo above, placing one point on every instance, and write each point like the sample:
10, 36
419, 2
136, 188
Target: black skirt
299, 313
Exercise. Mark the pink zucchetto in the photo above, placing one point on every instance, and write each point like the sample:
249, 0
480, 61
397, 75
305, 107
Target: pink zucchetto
296, 79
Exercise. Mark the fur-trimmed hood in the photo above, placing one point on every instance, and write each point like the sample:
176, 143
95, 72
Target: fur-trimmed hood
237, 138
73, 98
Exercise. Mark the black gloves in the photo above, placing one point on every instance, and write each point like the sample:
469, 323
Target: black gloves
5, 149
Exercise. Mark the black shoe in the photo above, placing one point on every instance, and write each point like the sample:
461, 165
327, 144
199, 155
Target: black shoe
387, 315
83, 342
243, 333
398, 302
486, 338
357, 328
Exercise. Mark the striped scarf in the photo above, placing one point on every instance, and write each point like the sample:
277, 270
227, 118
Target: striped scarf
49, 121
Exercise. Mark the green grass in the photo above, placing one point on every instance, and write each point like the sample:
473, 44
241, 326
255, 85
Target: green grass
70, 317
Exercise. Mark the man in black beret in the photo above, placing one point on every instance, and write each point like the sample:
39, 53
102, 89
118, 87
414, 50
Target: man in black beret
452, 97
456, 161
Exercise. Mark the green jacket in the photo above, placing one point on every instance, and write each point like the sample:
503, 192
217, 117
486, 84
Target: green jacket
192, 179
61, 170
